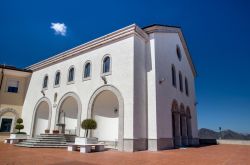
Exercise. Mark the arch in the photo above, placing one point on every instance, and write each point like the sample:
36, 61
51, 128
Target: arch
120, 99
14, 112
183, 125
79, 110
36, 109
176, 130
106, 64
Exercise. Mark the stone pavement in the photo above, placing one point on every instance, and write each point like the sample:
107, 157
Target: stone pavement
209, 155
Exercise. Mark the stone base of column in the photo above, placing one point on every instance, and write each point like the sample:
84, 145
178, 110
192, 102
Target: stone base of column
177, 142
160, 144
184, 140
131, 145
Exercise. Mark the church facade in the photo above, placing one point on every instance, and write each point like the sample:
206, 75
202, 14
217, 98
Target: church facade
137, 83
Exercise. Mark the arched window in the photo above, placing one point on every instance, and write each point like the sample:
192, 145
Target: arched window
71, 74
186, 87
87, 70
45, 81
106, 65
178, 52
173, 76
57, 78
180, 81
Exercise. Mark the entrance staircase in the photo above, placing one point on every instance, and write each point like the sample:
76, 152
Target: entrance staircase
45, 141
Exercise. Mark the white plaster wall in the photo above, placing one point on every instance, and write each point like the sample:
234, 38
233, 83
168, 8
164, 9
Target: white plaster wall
165, 56
121, 53
107, 128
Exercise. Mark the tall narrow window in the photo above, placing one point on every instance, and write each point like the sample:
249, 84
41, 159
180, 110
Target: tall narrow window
45, 82
106, 65
57, 78
71, 74
87, 70
186, 87
173, 76
180, 81
178, 52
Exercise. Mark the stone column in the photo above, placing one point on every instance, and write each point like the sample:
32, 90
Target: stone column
189, 130
177, 138
184, 136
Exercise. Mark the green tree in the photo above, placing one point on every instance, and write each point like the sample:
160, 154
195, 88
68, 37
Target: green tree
19, 124
88, 124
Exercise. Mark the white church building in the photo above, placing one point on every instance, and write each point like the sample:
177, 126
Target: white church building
137, 83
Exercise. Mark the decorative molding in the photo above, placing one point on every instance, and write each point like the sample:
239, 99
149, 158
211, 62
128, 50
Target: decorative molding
101, 41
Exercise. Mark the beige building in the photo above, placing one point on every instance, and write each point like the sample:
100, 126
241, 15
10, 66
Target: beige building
13, 86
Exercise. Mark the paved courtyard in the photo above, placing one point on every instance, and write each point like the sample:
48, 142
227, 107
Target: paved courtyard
212, 155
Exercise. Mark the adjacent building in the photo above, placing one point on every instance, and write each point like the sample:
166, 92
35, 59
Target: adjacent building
13, 86
137, 83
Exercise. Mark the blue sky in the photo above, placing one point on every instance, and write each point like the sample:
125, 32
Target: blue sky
217, 33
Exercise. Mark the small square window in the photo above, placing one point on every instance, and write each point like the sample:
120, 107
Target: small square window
12, 86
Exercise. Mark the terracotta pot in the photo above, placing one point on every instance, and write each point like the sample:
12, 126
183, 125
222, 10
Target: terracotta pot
55, 131
46, 131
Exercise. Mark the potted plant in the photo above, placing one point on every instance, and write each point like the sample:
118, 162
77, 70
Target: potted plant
88, 125
19, 126
55, 131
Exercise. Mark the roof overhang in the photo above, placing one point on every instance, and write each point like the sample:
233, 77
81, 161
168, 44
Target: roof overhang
106, 39
172, 29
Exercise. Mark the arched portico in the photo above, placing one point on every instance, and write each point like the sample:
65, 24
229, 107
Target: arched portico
41, 116
189, 126
69, 113
176, 128
106, 106
183, 124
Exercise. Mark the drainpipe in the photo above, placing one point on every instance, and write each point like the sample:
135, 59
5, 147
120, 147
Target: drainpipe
1, 82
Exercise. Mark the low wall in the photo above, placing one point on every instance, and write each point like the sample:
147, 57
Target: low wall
238, 142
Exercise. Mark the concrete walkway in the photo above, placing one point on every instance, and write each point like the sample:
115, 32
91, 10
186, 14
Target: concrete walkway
210, 155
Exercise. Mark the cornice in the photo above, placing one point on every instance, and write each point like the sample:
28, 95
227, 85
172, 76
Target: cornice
121, 33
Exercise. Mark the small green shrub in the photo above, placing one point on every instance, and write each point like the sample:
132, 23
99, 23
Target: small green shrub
88, 124
19, 125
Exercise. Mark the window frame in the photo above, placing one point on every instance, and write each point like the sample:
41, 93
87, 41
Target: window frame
57, 85
12, 123
178, 52
72, 81
7, 86
45, 88
173, 74
110, 65
180, 81
90, 71
186, 86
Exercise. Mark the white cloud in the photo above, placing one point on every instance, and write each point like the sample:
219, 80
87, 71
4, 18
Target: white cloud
59, 28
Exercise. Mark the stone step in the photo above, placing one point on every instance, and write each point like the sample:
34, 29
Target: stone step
37, 146
45, 142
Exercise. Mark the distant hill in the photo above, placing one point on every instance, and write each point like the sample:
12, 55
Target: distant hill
205, 133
